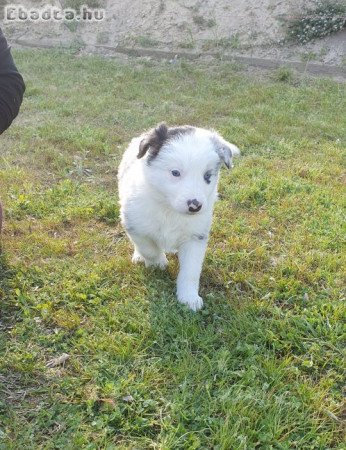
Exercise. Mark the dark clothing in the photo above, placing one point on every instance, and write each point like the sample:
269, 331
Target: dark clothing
12, 86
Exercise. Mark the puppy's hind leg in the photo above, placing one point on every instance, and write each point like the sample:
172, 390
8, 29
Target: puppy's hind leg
148, 252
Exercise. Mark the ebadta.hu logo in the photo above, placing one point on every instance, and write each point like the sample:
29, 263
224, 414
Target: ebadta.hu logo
19, 13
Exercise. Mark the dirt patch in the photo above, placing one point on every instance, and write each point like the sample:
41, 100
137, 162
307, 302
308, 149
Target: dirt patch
246, 28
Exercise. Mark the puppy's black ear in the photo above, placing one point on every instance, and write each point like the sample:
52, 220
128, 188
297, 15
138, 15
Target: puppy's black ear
225, 149
153, 141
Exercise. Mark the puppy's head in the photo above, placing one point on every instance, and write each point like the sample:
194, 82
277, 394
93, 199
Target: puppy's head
182, 165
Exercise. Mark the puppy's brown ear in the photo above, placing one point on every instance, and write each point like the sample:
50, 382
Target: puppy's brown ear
225, 149
153, 141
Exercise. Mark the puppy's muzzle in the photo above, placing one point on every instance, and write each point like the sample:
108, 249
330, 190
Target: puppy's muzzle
194, 205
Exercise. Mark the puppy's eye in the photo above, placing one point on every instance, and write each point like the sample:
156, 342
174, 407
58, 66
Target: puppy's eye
207, 177
175, 173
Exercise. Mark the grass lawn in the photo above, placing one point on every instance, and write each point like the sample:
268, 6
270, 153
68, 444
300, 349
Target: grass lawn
261, 366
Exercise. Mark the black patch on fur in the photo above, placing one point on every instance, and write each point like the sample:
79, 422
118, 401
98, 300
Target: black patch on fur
158, 136
200, 237
224, 152
207, 177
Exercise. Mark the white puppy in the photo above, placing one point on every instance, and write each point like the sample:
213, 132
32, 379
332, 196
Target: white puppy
167, 186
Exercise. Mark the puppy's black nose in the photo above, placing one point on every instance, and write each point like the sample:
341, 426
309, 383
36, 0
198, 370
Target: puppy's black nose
194, 205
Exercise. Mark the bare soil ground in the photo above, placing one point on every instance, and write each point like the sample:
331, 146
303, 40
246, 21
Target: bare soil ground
250, 28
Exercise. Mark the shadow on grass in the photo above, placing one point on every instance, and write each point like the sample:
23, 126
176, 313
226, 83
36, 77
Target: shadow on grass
176, 327
6, 275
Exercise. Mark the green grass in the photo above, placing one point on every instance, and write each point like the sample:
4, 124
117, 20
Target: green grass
262, 365
223, 43
145, 41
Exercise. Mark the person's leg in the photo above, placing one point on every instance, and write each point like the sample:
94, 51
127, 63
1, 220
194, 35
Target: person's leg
12, 88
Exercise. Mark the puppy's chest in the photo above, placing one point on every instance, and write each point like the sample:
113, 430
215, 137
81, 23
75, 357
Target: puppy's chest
169, 233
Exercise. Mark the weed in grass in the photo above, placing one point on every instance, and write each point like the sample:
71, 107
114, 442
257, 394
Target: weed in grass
71, 25
77, 4
76, 44
186, 44
223, 43
203, 23
283, 74
145, 41
308, 56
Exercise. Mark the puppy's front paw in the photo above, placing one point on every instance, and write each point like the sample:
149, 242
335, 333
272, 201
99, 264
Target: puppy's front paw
160, 262
193, 301
137, 258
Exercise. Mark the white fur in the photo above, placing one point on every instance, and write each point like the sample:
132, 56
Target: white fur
154, 209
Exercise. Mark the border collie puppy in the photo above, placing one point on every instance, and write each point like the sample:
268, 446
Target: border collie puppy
167, 188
